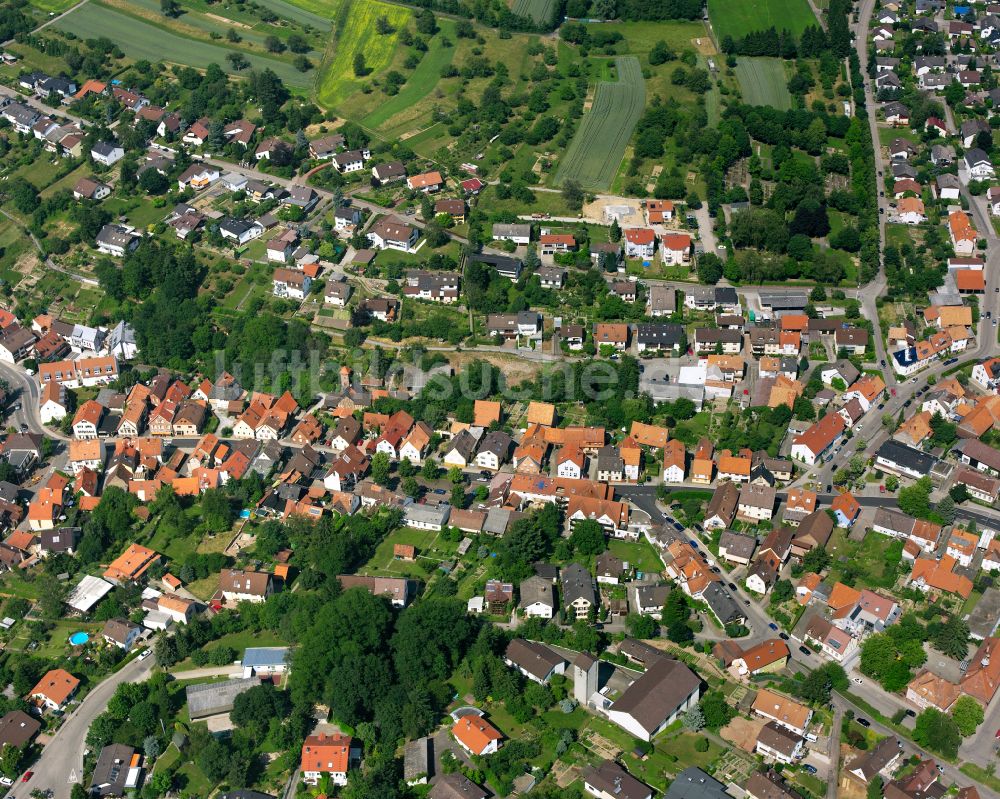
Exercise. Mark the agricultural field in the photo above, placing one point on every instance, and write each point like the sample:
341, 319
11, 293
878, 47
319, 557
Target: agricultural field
409, 115
53, 6
140, 39
199, 21
598, 146
355, 33
763, 82
737, 18
420, 83
538, 10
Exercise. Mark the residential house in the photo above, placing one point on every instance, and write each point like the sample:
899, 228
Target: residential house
330, 756
664, 692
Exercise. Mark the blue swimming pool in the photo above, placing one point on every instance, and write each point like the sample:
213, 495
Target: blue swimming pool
79, 639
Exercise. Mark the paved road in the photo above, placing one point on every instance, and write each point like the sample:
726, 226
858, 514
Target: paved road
51, 20
62, 758
37, 104
983, 747
950, 775
26, 393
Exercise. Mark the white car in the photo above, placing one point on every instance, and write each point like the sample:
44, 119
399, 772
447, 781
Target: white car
859, 681
147, 652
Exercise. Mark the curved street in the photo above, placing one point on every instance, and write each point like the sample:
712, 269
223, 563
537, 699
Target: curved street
61, 763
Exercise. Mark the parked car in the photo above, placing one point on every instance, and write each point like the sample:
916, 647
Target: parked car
805, 650
864, 722
678, 527
783, 636
732, 586
773, 626
810, 769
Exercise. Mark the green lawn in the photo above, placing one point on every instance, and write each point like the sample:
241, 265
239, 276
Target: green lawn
641, 37
763, 82
14, 584
55, 644
356, 35
691, 430
640, 554
887, 136
597, 148
867, 560
898, 235
143, 40
737, 18
53, 6
428, 543
420, 82
682, 747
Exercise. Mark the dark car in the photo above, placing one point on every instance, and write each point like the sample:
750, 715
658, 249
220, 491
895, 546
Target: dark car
732, 586
805, 650
829, 488
864, 722
773, 626
678, 526
810, 769
439, 491
883, 362
746, 602
910, 713
783, 636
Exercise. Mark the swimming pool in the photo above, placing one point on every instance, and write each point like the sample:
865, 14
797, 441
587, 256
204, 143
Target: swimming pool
79, 639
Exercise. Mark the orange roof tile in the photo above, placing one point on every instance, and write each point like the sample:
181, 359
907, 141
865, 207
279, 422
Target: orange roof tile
475, 732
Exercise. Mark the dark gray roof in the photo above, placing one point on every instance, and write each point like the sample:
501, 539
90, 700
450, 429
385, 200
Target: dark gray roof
464, 443
613, 780
456, 786
725, 608
768, 785
208, 699
535, 658
577, 583
906, 457
657, 694
669, 334
504, 264
737, 544
778, 738
497, 442
609, 460
874, 760
111, 770
17, 728
418, 759
693, 783
536, 589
